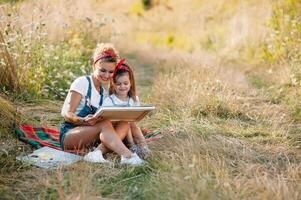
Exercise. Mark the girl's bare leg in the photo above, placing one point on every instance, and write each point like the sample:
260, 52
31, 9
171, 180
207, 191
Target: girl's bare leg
129, 138
137, 134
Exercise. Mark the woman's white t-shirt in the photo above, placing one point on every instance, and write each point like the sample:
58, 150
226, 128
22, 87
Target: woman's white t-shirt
81, 85
119, 102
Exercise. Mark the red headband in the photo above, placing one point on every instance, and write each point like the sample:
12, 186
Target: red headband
120, 66
107, 53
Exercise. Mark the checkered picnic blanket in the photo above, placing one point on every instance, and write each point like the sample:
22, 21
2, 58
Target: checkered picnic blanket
41, 136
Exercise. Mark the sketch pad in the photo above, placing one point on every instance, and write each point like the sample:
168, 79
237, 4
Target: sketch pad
133, 113
49, 158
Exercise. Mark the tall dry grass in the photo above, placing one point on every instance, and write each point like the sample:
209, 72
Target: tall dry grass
41, 56
230, 30
230, 143
187, 90
8, 115
279, 73
223, 168
221, 26
9, 77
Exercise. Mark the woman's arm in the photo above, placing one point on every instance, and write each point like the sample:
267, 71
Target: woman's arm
70, 115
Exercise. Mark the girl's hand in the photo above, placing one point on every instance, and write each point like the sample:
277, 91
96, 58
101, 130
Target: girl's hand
90, 120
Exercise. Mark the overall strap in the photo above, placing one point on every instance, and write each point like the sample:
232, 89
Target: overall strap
126, 105
89, 88
89, 92
101, 96
112, 100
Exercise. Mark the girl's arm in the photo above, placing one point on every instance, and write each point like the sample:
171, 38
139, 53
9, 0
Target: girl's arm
137, 102
70, 115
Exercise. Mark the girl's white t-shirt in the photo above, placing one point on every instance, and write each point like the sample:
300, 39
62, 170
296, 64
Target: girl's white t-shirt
81, 86
119, 102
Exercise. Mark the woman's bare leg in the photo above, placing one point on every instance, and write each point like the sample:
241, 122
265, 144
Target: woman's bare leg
113, 141
121, 129
78, 137
81, 136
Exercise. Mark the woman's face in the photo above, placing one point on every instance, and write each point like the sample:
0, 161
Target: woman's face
122, 85
103, 71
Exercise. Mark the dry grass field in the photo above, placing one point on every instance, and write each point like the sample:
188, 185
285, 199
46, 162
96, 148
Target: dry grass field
224, 76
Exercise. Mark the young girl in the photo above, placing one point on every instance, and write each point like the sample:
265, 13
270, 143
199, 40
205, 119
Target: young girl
123, 93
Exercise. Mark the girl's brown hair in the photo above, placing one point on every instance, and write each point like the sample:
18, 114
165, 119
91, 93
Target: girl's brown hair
121, 70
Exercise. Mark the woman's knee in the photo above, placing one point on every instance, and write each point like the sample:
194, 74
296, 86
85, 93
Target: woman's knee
123, 124
104, 124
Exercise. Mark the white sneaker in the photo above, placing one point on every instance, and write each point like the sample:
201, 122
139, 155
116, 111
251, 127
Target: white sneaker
134, 160
95, 157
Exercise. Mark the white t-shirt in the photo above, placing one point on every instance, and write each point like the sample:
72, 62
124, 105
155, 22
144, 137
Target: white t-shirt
119, 102
81, 86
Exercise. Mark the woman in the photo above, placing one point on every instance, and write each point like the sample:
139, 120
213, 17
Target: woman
85, 96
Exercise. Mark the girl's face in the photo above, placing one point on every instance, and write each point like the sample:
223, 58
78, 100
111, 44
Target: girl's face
122, 85
103, 71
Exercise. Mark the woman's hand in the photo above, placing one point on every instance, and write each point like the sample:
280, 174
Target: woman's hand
90, 120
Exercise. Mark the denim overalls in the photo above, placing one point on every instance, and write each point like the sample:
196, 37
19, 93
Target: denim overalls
87, 109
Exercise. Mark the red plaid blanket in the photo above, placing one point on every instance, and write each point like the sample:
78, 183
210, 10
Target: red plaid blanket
41, 136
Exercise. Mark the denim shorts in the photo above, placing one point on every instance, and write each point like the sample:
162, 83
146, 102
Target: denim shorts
65, 127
